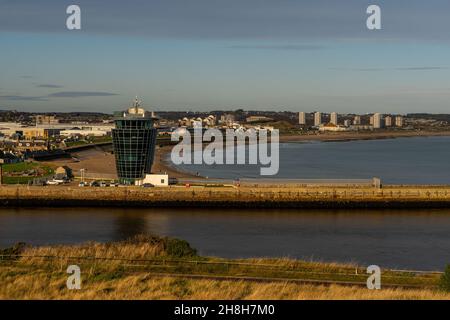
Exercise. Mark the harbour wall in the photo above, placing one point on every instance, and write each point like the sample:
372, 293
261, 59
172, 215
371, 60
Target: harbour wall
237, 197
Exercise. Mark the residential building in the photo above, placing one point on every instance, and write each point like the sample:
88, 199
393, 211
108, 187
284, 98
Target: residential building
301, 118
334, 118
317, 119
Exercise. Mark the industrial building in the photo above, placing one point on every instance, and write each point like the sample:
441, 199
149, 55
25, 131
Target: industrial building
134, 141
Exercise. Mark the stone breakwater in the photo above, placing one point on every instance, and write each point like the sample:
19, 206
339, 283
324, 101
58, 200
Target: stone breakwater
238, 197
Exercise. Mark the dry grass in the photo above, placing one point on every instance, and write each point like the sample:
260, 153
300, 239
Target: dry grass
37, 278
40, 285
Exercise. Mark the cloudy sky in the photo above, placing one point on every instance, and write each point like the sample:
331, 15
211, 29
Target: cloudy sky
225, 54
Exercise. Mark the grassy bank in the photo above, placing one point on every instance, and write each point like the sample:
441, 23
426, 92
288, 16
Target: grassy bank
161, 268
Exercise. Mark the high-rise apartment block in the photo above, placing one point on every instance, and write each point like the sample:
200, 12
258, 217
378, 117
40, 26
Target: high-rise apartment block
301, 118
317, 119
388, 121
334, 118
377, 121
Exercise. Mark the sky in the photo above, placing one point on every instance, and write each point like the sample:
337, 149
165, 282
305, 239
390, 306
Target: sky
204, 55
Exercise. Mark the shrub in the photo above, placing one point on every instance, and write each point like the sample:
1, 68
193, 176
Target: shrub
444, 282
179, 248
171, 246
16, 250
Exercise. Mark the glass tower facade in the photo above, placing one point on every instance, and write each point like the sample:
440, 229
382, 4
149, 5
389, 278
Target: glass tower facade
134, 141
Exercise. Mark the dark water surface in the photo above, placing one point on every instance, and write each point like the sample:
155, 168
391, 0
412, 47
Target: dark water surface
412, 239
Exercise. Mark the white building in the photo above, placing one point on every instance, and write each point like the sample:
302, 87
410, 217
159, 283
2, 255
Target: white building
86, 131
357, 120
399, 121
388, 121
157, 180
377, 120
334, 118
301, 118
332, 127
317, 119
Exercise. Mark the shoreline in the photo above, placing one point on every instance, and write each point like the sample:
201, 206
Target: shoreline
357, 136
99, 161
160, 165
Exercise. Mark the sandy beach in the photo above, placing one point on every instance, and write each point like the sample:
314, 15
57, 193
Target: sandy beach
100, 161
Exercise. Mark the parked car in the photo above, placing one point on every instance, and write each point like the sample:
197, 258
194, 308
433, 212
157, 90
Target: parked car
82, 184
53, 183
148, 185
95, 184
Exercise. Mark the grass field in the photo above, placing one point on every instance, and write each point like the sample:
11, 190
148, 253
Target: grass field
161, 268
10, 169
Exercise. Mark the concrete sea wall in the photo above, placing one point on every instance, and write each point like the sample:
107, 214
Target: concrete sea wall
263, 197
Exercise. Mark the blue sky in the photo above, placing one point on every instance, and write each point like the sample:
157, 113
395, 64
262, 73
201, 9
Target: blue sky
225, 54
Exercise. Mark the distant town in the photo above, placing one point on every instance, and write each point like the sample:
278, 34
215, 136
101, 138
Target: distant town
32, 137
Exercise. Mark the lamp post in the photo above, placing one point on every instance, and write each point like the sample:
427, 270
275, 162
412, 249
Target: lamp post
82, 174
2, 161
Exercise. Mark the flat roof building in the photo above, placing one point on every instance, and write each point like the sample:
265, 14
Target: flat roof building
301, 118
388, 121
317, 119
377, 121
334, 118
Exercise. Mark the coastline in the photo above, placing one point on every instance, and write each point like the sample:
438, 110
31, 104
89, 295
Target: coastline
99, 162
356, 136
161, 165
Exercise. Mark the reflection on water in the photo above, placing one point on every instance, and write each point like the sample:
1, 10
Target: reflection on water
126, 226
418, 239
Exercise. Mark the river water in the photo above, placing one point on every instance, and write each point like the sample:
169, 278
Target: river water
411, 239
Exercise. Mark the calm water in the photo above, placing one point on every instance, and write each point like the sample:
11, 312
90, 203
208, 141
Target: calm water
417, 239
421, 160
